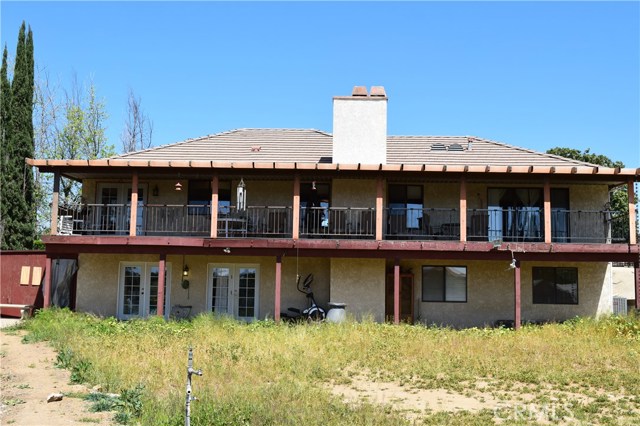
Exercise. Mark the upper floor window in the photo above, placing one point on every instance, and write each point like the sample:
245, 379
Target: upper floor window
199, 196
444, 283
555, 285
406, 201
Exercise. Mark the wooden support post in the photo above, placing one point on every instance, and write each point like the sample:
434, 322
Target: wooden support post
134, 205
379, 208
396, 292
55, 200
214, 205
463, 209
518, 299
632, 213
295, 230
278, 287
547, 211
162, 265
636, 269
46, 291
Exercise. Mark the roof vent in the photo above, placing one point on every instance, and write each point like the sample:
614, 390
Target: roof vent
438, 147
255, 148
359, 91
456, 147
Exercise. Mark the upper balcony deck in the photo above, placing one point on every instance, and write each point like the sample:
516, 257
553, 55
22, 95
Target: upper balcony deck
523, 224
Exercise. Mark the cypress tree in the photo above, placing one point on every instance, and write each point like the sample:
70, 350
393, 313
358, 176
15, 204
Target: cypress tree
5, 149
19, 222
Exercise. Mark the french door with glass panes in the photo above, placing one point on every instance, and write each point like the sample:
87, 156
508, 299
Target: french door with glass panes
138, 290
114, 201
233, 290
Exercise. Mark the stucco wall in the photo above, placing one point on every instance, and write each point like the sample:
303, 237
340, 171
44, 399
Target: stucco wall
623, 282
360, 284
490, 294
353, 193
360, 130
98, 277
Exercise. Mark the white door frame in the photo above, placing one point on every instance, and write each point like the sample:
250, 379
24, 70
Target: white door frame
234, 281
145, 292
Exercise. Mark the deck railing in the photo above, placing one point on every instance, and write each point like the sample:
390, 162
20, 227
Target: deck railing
337, 222
492, 224
422, 224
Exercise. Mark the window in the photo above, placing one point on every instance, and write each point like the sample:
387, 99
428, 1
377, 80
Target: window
406, 201
555, 286
444, 283
199, 195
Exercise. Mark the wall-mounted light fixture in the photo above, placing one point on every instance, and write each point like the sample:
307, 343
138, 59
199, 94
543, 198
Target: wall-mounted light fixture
185, 271
178, 186
226, 250
155, 191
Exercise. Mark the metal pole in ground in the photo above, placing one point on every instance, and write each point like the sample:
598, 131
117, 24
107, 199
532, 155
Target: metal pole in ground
190, 372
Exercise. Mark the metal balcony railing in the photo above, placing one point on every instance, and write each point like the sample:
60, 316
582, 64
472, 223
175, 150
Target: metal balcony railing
422, 223
493, 224
338, 222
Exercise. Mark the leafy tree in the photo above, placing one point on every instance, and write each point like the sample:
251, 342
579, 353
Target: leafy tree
18, 190
618, 197
69, 125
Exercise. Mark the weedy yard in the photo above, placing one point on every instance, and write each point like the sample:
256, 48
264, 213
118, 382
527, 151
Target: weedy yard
580, 372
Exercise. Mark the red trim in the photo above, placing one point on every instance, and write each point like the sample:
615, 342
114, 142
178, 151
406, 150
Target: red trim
46, 291
517, 296
637, 277
278, 287
396, 292
161, 283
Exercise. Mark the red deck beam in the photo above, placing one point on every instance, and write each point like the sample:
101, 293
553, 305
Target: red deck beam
396, 292
517, 295
278, 286
162, 264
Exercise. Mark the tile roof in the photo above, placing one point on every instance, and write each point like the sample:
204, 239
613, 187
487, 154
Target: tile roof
314, 146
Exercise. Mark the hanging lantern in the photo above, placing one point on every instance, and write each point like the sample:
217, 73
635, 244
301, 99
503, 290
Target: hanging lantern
242, 196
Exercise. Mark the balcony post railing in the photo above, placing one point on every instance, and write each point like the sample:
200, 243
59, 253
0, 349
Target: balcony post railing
134, 204
295, 230
379, 208
214, 206
632, 212
463, 209
55, 201
547, 211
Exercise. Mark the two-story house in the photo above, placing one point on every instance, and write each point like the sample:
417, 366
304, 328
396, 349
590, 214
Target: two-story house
453, 230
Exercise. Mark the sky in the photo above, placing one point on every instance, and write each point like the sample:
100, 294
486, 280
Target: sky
531, 74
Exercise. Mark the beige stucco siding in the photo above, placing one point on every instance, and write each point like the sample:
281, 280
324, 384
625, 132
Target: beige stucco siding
98, 280
360, 284
353, 193
624, 282
490, 294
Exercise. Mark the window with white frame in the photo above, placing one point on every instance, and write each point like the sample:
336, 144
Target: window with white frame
444, 283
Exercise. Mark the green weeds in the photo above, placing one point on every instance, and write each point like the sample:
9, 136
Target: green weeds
264, 373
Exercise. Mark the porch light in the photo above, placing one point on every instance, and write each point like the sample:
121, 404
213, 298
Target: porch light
178, 186
242, 195
185, 271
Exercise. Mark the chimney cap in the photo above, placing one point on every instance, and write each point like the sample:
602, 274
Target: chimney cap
378, 91
359, 91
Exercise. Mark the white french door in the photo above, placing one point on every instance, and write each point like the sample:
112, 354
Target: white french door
115, 199
138, 290
233, 290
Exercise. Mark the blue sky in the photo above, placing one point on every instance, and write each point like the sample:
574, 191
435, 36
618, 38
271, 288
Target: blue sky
532, 74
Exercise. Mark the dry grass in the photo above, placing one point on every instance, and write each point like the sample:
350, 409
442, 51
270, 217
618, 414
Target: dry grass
263, 373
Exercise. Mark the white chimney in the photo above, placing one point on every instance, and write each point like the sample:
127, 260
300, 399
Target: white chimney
360, 127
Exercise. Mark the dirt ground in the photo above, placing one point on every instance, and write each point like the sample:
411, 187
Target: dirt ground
28, 376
